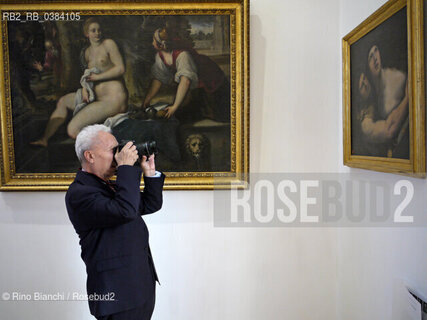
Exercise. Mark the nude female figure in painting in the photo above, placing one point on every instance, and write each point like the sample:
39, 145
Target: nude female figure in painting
110, 93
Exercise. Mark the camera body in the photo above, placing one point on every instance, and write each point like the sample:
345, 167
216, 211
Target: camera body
146, 148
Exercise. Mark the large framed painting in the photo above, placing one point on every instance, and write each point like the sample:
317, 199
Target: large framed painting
174, 72
383, 91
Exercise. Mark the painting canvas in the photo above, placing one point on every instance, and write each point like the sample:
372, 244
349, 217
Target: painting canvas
379, 72
157, 72
384, 107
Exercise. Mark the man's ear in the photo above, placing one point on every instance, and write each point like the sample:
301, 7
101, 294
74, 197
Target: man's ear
89, 156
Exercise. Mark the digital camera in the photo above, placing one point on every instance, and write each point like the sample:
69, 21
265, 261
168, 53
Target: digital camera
146, 148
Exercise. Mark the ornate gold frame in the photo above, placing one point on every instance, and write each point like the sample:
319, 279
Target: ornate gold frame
415, 166
238, 10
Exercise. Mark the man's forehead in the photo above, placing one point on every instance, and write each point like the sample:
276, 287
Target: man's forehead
106, 139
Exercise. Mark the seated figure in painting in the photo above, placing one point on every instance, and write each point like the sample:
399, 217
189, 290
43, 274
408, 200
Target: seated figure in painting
177, 62
103, 93
51, 60
51, 66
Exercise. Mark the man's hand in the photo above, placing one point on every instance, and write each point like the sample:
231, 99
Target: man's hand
127, 156
148, 167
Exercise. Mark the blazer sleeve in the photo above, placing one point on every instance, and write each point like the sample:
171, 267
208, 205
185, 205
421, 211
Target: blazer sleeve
93, 208
152, 197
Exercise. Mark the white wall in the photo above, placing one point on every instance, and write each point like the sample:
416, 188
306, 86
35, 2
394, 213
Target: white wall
207, 272
371, 259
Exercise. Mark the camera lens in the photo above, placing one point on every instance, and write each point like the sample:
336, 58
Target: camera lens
146, 148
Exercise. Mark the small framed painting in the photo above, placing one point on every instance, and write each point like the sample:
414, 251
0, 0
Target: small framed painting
383, 91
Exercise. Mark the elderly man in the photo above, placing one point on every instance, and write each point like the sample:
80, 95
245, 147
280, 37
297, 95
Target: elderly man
107, 217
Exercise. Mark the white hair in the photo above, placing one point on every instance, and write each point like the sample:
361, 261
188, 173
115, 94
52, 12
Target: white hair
86, 137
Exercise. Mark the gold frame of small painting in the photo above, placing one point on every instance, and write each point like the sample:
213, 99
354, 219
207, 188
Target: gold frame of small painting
384, 91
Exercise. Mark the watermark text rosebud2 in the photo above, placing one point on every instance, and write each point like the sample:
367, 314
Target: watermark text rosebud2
306, 200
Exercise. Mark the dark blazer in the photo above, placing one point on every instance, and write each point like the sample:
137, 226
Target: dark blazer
114, 237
